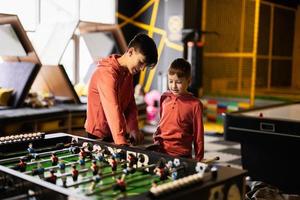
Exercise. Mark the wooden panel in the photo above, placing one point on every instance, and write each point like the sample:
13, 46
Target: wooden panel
14, 21
53, 79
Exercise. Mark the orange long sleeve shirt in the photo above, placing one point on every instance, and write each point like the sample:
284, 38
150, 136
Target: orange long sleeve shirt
111, 108
180, 126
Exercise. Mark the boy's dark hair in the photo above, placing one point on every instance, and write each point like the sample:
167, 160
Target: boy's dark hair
180, 67
146, 46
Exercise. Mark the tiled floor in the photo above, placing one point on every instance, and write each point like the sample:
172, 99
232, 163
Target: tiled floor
229, 152
214, 145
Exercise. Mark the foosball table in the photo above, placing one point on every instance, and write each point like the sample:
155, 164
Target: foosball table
63, 166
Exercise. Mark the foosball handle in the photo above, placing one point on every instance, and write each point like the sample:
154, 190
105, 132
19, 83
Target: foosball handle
210, 160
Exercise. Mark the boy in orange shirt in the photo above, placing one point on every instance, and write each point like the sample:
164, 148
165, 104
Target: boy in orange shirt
111, 107
181, 123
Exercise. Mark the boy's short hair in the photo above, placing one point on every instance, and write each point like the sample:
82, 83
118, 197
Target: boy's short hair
146, 46
180, 67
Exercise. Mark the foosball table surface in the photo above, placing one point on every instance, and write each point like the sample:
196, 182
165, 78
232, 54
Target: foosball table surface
28, 169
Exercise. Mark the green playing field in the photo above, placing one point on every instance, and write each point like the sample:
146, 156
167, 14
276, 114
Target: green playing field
136, 183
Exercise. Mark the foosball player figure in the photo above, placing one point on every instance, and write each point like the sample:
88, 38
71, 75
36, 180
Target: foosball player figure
89, 154
94, 167
62, 166
96, 148
113, 163
132, 160
74, 141
174, 174
121, 155
81, 161
52, 178
161, 171
169, 165
31, 152
106, 152
74, 173
82, 153
64, 181
154, 184
39, 171
100, 156
54, 159
114, 153
21, 166
120, 185
96, 179
30, 149
74, 149
88, 148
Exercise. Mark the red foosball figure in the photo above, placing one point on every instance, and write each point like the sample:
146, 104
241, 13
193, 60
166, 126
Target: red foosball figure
161, 171
21, 166
82, 154
52, 178
113, 164
94, 168
120, 185
75, 173
54, 159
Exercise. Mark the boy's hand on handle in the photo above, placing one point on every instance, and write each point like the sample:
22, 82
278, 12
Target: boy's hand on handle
136, 137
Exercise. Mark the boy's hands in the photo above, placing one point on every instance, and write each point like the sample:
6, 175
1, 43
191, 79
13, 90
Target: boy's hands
136, 137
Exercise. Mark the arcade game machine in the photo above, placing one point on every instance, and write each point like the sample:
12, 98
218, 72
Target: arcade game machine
269, 138
63, 166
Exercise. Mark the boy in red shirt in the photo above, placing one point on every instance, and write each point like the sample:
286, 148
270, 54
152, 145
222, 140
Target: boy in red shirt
111, 108
181, 123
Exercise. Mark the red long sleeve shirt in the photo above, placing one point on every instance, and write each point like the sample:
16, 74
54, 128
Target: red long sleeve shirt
111, 108
180, 126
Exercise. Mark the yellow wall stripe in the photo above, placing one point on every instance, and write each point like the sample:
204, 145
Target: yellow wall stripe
152, 72
150, 33
270, 48
229, 55
153, 17
143, 9
203, 25
151, 30
241, 49
254, 60
173, 45
140, 24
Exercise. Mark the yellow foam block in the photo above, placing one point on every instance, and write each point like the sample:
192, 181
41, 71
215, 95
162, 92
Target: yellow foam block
213, 128
5, 94
244, 105
81, 89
